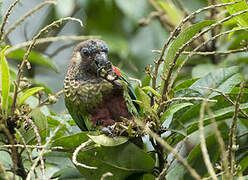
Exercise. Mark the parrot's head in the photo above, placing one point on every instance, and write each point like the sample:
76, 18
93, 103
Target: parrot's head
91, 56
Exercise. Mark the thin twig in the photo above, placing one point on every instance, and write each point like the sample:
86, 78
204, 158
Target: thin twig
42, 151
25, 58
179, 26
29, 153
75, 154
150, 17
38, 137
203, 146
3, 171
207, 53
189, 99
32, 146
107, 174
241, 135
226, 97
210, 178
50, 39
165, 89
168, 164
164, 144
5, 18
233, 147
221, 144
25, 16
199, 46
55, 98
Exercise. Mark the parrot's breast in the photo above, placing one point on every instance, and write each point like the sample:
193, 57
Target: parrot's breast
97, 99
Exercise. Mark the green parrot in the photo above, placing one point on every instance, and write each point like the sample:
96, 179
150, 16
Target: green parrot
96, 94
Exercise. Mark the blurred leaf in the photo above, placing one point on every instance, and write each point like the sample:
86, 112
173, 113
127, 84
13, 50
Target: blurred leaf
243, 164
64, 8
224, 79
108, 141
34, 58
149, 177
64, 167
171, 11
180, 40
201, 70
238, 7
117, 44
173, 109
5, 160
135, 10
5, 75
29, 93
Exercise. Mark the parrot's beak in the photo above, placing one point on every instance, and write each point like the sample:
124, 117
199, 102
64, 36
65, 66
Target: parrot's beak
102, 61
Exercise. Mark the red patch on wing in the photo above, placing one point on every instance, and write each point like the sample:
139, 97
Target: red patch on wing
116, 70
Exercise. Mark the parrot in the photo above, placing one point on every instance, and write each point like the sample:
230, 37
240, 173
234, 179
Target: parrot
97, 95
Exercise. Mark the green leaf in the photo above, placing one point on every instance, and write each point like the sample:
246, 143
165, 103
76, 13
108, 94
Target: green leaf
171, 11
224, 79
29, 93
69, 143
145, 99
201, 70
231, 33
5, 75
181, 39
108, 141
122, 161
40, 122
34, 58
173, 109
191, 123
185, 84
243, 164
238, 7
196, 161
153, 91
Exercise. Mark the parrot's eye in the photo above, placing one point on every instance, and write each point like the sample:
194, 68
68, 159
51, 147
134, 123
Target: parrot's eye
105, 49
85, 52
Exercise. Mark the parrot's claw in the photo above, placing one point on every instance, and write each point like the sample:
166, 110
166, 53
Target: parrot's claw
109, 131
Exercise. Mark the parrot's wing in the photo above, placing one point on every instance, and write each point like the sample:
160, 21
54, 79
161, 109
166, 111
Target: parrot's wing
129, 87
80, 121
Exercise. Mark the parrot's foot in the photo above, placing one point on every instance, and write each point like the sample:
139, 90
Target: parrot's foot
121, 129
109, 131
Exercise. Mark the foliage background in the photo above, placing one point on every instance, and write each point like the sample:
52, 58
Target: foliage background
131, 44
116, 22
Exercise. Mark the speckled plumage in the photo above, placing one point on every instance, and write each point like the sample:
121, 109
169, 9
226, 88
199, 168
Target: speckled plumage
91, 99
